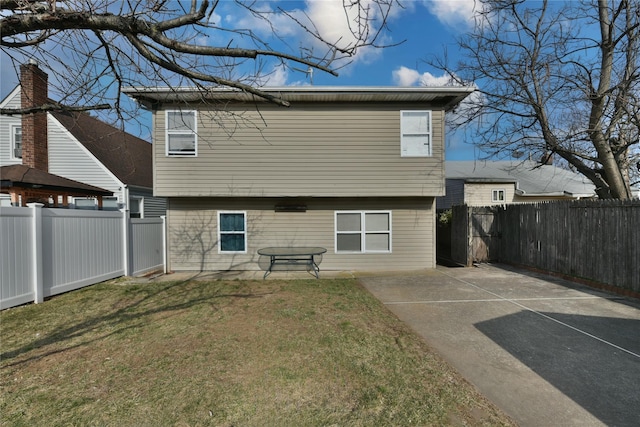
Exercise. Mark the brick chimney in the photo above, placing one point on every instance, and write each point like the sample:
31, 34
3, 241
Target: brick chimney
34, 92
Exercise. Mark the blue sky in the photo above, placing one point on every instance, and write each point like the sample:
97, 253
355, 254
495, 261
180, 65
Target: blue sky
426, 27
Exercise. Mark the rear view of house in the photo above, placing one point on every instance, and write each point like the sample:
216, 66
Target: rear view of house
355, 170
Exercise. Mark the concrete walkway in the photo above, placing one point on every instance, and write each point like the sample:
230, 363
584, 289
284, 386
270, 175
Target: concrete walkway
547, 351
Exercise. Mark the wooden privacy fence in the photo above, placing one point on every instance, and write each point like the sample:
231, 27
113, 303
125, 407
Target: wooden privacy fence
45, 252
596, 240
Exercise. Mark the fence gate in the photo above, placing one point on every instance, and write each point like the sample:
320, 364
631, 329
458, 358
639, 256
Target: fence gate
472, 235
593, 240
484, 234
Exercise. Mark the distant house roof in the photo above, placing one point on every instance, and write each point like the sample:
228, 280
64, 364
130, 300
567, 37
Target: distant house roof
448, 97
22, 176
531, 178
126, 156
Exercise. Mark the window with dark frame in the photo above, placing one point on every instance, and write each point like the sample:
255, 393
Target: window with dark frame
232, 232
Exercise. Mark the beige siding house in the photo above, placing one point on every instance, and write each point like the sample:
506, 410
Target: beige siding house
354, 170
486, 183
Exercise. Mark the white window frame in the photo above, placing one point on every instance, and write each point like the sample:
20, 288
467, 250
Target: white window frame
14, 129
220, 232
193, 132
405, 132
140, 206
363, 231
495, 198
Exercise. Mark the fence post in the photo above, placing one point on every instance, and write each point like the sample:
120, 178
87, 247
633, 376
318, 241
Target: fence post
126, 241
36, 251
164, 244
469, 230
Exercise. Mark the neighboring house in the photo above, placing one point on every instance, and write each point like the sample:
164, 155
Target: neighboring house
27, 184
79, 147
485, 183
355, 170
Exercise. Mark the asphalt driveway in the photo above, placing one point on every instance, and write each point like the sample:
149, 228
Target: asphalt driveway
547, 351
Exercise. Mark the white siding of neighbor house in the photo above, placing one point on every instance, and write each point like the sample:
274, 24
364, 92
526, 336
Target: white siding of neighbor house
321, 150
6, 122
479, 194
192, 232
70, 159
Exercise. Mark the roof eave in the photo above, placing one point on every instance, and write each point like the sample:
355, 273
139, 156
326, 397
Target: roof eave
56, 188
451, 95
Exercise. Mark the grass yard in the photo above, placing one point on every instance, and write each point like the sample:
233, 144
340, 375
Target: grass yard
225, 353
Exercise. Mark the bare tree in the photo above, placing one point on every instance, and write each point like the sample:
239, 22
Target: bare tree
557, 78
95, 47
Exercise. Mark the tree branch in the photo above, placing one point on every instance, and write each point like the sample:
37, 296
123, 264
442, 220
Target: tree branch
54, 107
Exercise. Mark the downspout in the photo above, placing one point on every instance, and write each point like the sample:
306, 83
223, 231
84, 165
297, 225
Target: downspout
125, 196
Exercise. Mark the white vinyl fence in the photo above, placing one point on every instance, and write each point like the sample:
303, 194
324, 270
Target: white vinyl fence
44, 252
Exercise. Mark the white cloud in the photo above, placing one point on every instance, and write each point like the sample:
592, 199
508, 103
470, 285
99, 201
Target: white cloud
404, 76
215, 19
270, 20
277, 77
330, 19
453, 13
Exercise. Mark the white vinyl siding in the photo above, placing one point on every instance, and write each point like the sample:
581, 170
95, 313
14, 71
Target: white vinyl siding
481, 194
70, 159
7, 124
363, 232
181, 133
416, 139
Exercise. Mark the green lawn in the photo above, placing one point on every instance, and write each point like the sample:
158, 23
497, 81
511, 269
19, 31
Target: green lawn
225, 353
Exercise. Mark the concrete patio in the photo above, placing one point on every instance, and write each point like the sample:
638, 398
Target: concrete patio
547, 351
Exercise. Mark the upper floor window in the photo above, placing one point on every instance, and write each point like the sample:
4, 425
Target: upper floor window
181, 133
415, 129
16, 142
498, 196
